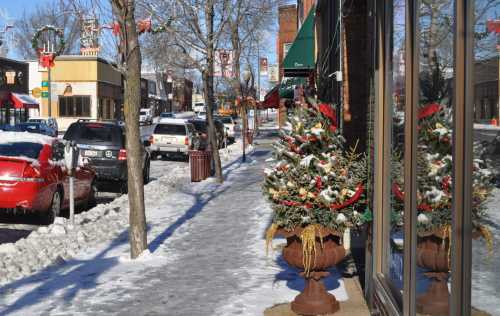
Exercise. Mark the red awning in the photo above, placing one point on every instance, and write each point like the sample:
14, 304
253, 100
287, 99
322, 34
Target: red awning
23, 101
272, 99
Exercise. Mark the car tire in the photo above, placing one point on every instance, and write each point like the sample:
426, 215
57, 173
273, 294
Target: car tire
92, 198
124, 187
54, 209
154, 156
146, 172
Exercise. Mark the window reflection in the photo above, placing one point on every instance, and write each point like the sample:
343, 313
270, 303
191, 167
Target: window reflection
485, 263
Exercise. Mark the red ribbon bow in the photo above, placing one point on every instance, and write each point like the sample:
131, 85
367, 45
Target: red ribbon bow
327, 111
428, 110
354, 198
116, 28
47, 60
144, 26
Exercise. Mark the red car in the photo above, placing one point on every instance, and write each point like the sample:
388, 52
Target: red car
33, 178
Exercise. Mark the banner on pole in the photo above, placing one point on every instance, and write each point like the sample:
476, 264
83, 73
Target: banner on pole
274, 73
263, 66
223, 66
89, 37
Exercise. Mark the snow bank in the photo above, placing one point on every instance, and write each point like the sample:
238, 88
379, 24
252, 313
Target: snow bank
12, 137
61, 241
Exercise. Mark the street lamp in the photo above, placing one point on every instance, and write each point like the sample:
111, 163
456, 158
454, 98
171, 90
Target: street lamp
247, 75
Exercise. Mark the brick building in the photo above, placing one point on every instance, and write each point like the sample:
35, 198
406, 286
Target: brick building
287, 20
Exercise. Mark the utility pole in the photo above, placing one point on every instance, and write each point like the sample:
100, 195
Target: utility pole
255, 116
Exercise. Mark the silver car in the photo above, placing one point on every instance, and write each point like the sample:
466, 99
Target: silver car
172, 138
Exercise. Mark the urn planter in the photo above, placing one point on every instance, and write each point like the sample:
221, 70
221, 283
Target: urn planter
315, 299
433, 254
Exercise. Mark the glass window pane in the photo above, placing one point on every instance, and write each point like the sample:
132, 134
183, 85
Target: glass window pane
396, 98
486, 174
434, 155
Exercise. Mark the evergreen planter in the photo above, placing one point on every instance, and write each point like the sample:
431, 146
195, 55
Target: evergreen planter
314, 300
433, 254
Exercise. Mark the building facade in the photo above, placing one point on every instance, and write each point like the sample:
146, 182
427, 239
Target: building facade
287, 21
79, 87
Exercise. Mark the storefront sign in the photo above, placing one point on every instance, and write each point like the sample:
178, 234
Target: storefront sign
45, 84
36, 92
45, 94
273, 73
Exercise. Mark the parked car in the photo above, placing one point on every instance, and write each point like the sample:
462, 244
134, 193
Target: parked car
146, 116
103, 144
202, 129
174, 137
37, 127
230, 126
33, 178
49, 121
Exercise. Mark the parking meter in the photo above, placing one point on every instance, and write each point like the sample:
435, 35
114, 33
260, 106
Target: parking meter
70, 156
71, 161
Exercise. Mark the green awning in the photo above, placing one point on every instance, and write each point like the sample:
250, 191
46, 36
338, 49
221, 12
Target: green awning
299, 60
287, 86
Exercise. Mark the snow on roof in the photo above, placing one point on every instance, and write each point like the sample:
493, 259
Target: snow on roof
17, 137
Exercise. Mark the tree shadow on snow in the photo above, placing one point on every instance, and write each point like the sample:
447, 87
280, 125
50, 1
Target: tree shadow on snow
71, 276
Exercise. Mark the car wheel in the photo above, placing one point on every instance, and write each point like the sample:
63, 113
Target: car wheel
54, 209
147, 172
92, 198
124, 187
154, 156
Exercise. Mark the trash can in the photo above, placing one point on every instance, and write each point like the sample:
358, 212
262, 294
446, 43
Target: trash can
199, 162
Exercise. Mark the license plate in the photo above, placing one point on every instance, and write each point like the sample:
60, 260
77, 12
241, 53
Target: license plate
91, 153
168, 140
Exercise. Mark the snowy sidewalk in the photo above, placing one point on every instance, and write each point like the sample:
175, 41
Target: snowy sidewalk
206, 256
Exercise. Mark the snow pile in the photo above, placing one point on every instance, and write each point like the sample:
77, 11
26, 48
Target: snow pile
61, 241
13, 137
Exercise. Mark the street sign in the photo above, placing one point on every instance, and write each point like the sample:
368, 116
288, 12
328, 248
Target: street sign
45, 94
45, 83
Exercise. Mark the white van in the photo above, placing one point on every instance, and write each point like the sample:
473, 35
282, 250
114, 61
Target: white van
146, 116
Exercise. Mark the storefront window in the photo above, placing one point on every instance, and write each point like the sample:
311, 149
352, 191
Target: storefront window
74, 106
486, 228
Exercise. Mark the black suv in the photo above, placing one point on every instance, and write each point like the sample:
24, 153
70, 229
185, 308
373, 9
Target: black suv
201, 127
103, 144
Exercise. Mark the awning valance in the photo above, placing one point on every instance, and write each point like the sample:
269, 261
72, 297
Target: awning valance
299, 60
272, 99
23, 101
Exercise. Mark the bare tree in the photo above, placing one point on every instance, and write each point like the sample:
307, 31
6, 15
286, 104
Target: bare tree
193, 30
129, 48
59, 13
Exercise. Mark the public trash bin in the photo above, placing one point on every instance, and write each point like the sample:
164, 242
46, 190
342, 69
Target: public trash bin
199, 162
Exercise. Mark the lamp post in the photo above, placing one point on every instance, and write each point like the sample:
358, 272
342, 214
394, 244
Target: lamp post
246, 77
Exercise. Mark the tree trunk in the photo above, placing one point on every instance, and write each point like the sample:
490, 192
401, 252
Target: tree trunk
208, 82
132, 99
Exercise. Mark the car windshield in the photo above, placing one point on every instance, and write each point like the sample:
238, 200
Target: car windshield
21, 149
34, 127
166, 115
36, 120
95, 133
170, 129
144, 112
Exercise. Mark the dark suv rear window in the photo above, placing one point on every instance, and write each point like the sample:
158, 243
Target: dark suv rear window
95, 133
170, 129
